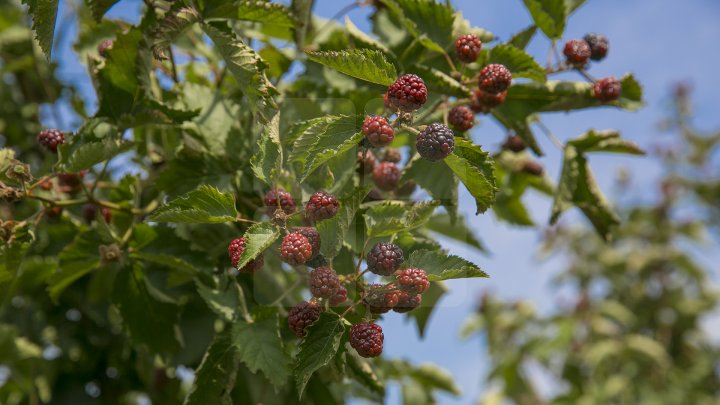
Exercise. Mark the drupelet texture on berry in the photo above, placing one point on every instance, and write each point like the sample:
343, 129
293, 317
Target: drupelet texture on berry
461, 118
577, 52
483, 101
386, 176
236, 249
467, 48
435, 142
514, 143
378, 131
324, 282
321, 205
340, 297
407, 302
407, 94
494, 78
607, 89
313, 236
279, 199
367, 339
599, 45
50, 139
366, 161
295, 249
412, 280
384, 258
303, 315
381, 298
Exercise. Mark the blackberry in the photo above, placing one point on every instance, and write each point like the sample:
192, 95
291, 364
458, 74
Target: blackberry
494, 78
366, 161
317, 261
90, 211
607, 89
392, 155
435, 142
467, 48
514, 143
70, 183
378, 131
384, 258
340, 297
313, 236
324, 282
483, 101
235, 250
407, 94
577, 52
321, 205
295, 249
532, 167
50, 139
303, 315
367, 339
279, 199
407, 302
104, 47
598, 44
461, 118
381, 298
412, 280
386, 176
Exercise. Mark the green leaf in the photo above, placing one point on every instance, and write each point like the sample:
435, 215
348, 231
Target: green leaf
317, 348
521, 39
75, 260
224, 302
437, 179
303, 13
151, 318
100, 7
44, 16
431, 376
549, 16
258, 238
517, 61
206, 204
259, 346
364, 64
430, 21
430, 299
572, 5
456, 230
474, 168
189, 170
440, 82
605, 141
249, 10
332, 231
216, 118
215, 378
266, 163
440, 266
364, 373
391, 217
87, 155
362, 40
166, 260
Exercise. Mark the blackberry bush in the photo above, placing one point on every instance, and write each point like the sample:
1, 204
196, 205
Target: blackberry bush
607, 89
279, 200
461, 118
303, 315
598, 44
324, 283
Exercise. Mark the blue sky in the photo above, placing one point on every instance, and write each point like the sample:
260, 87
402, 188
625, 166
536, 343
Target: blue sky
660, 41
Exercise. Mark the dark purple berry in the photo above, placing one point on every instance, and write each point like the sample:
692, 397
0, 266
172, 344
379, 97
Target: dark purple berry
483, 101
313, 236
577, 52
367, 339
340, 297
407, 302
607, 89
384, 258
381, 298
324, 282
303, 315
461, 118
279, 199
514, 143
50, 139
435, 142
598, 45
236, 249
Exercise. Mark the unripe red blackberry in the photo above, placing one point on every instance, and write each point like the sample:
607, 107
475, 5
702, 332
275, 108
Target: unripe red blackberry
435, 142
386, 176
313, 236
295, 249
384, 258
412, 280
104, 46
324, 282
483, 101
90, 210
407, 94
598, 44
607, 89
514, 143
577, 52
70, 183
378, 131
532, 167
367, 339
407, 302
461, 118
340, 297
468, 47
50, 139
279, 199
321, 205
381, 298
494, 78
392, 155
366, 161
303, 315
235, 250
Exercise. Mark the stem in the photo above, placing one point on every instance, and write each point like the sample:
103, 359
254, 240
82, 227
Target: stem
288, 290
450, 62
586, 75
172, 65
550, 135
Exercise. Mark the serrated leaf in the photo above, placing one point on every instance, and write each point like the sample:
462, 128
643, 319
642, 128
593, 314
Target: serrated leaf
267, 161
215, 377
75, 260
549, 16
440, 266
166, 260
259, 346
517, 61
317, 348
189, 170
440, 82
44, 16
364, 64
332, 231
363, 40
457, 230
430, 22
206, 204
390, 218
87, 155
249, 10
474, 168
224, 302
605, 141
430, 299
521, 39
437, 180
258, 238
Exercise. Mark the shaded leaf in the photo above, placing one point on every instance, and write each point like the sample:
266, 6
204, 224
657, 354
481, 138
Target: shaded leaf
549, 16
332, 231
317, 348
392, 217
517, 61
440, 266
267, 161
75, 260
474, 168
258, 238
259, 346
206, 204
215, 378
364, 64
44, 16
249, 10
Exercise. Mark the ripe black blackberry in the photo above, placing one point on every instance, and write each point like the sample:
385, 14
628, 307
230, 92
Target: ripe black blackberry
295, 249
340, 297
412, 280
279, 199
324, 282
366, 161
386, 176
607, 89
313, 236
483, 101
104, 46
532, 167
598, 44
392, 155
381, 298
577, 52
321, 205
461, 118
378, 131
435, 142
468, 47
407, 302
303, 315
494, 78
514, 143
407, 94
367, 339
236, 249
384, 258
50, 139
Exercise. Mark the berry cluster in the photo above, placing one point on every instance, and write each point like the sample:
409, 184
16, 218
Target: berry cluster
236, 249
593, 47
